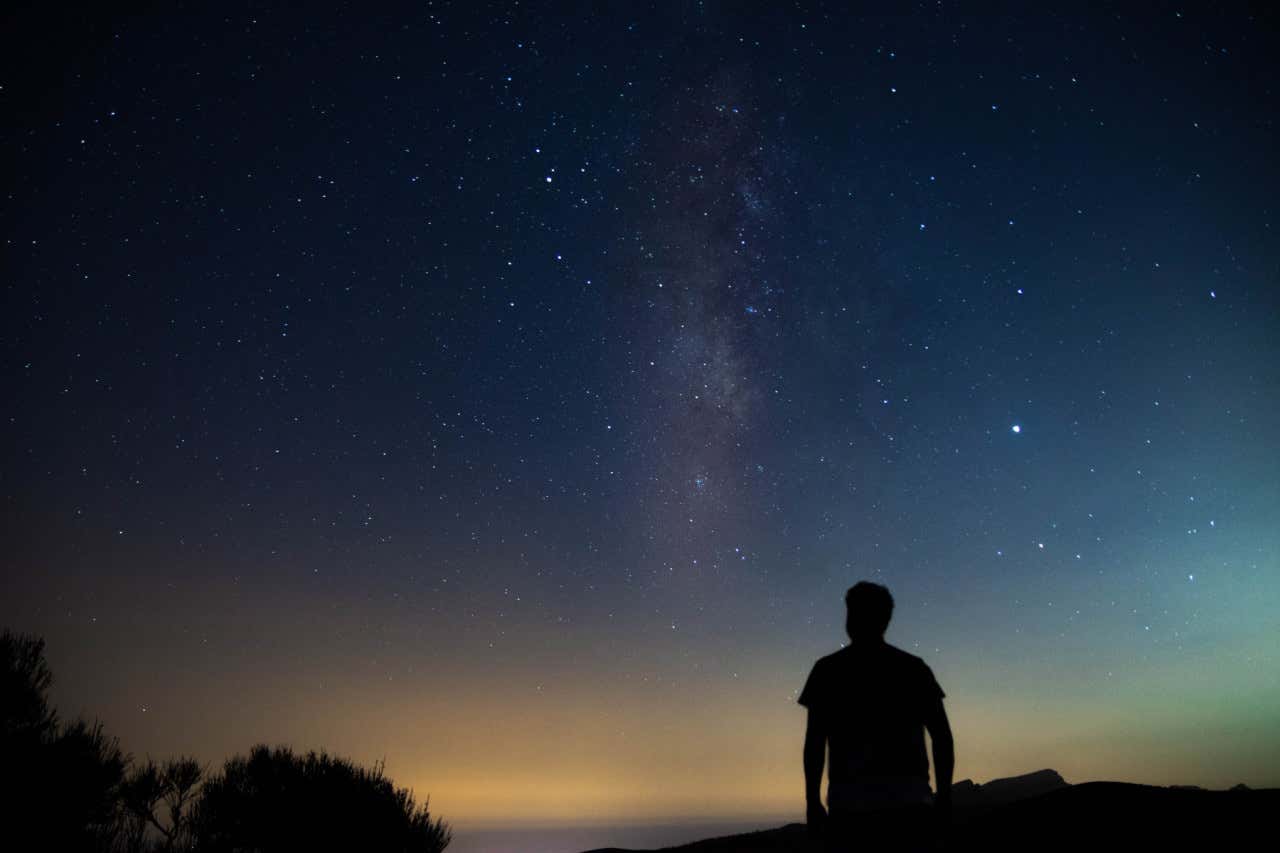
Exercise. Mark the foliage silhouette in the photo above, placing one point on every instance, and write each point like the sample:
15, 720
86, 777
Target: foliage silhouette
69, 787
25, 680
60, 783
175, 785
274, 800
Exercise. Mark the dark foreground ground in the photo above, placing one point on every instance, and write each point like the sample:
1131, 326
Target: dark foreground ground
1090, 817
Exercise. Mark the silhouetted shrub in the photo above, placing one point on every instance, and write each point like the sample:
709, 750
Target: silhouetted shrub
25, 679
275, 800
175, 785
64, 787
59, 785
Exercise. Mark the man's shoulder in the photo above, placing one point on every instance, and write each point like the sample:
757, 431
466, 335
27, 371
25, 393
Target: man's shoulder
829, 666
827, 660
889, 661
852, 654
860, 667
903, 657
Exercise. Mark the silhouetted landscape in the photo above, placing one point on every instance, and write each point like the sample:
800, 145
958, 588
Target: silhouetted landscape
77, 790
70, 786
1040, 811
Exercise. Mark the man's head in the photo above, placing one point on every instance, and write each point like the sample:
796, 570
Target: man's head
870, 607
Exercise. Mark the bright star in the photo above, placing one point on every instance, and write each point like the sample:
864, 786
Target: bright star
1017, 428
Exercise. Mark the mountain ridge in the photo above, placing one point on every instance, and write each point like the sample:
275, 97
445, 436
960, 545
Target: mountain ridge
1042, 811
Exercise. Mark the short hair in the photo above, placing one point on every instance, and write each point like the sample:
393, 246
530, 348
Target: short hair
870, 606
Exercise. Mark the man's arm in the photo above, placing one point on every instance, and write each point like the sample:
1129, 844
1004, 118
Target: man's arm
815, 756
944, 750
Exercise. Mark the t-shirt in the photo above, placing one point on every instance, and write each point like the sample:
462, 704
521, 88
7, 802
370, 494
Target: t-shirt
873, 699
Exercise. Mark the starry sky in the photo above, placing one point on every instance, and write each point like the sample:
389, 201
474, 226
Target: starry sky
512, 391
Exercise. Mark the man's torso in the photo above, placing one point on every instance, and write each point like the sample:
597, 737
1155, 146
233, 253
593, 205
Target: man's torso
873, 700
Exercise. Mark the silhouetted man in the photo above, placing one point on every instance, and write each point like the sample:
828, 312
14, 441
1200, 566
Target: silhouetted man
871, 702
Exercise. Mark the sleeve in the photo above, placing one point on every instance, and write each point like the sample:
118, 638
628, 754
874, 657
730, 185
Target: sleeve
930, 688
811, 695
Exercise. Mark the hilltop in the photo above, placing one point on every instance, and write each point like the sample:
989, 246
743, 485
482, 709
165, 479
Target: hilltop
1041, 811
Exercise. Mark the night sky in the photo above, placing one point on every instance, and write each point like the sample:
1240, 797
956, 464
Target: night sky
512, 392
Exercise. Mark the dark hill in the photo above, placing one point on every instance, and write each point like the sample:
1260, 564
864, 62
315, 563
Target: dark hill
1001, 792
1094, 816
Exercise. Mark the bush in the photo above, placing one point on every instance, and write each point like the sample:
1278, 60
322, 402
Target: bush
59, 785
65, 787
25, 680
275, 800
175, 785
